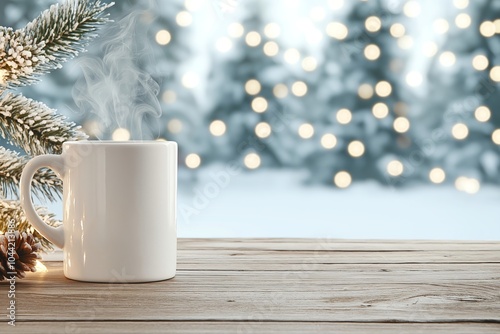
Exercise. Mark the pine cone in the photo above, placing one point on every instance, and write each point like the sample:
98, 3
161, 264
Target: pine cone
25, 254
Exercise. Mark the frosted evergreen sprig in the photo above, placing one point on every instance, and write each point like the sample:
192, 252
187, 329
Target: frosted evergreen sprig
58, 34
33, 126
45, 183
12, 211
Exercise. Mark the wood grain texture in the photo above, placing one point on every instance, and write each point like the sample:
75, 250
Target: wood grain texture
266, 285
222, 327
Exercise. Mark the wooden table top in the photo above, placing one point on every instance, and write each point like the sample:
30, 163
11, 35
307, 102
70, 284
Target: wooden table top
286, 285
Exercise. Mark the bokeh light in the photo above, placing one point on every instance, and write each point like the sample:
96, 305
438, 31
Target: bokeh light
395, 168
263, 130
460, 131
328, 141
193, 160
252, 87
380, 110
342, 179
217, 128
482, 114
356, 149
306, 130
344, 116
121, 134
259, 104
337, 30
437, 175
163, 37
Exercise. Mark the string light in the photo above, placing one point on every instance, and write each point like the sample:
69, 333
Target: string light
271, 48
252, 161
461, 4
309, 64
217, 128
272, 30
292, 56
495, 73
482, 113
497, 26
335, 4
441, 26
487, 29
280, 91
252, 87
40, 267
401, 124
253, 39
223, 44
121, 134
467, 185
460, 131
437, 175
414, 79
373, 24
169, 96
93, 128
356, 149
411, 8
397, 30
306, 130
337, 30
395, 168
190, 80
184, 18
380, 110
163, 37
342, 179
372, 52
480, 62
344, 116
263, 130
383, 88
365, 91
259, 104
447, 59
317, 13
235, 30
405, 42
299, 88
328, 141
174, 125
495, 136
193, 5
193, 160
430, 49
462, 20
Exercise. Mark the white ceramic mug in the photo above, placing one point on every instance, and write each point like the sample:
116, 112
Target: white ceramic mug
119, 217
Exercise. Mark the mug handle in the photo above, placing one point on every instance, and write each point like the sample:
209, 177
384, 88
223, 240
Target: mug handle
56, 163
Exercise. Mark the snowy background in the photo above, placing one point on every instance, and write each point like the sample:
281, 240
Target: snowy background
340, 119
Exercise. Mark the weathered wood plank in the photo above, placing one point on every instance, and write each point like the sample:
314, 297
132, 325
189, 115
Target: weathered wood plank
278, 296
217, 327
337, 244
265, 285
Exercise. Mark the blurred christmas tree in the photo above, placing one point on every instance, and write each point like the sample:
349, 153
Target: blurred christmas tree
461, 140
392, 91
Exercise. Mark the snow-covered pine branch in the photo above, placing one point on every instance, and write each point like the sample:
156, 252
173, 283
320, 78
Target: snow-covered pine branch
58, 34
45, 183
12, 211
33, 126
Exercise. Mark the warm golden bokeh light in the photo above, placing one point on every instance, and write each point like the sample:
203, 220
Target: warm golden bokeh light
342, 179
217, 128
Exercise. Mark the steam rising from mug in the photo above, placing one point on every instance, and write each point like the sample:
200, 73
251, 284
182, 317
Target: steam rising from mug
116, 87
